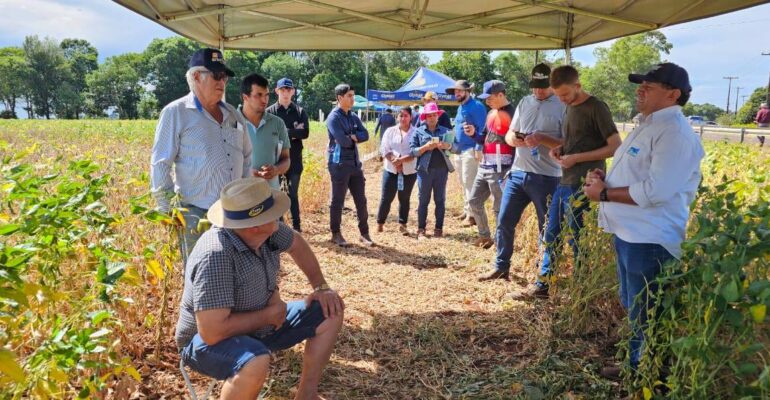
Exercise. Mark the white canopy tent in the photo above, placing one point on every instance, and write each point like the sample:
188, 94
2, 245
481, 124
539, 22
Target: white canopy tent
295, 25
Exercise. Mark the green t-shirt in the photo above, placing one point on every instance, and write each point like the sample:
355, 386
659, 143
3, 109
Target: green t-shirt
268, 140
586, 127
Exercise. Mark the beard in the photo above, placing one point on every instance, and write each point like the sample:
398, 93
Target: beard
461, 98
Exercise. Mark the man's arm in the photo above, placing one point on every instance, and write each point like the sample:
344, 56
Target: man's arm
164, 151
303, 256
301, 130
218, 324
361, 133
337, 130
602, 153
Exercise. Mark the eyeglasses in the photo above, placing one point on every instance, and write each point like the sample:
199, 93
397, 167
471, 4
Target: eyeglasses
218, 76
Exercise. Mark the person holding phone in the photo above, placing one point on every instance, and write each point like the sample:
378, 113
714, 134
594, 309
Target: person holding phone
429, 144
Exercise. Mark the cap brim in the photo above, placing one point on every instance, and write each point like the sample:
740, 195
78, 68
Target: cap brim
483, 96
638, 78
539, 84
219, 67
281, 204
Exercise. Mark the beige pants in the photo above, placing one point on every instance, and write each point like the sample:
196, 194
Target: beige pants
466, 167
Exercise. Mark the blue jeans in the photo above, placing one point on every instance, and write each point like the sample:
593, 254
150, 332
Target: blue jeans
431, 181
346, 177
292, 186
562, 207
224, 359
189, 235
389, 191
520, 189
638, 265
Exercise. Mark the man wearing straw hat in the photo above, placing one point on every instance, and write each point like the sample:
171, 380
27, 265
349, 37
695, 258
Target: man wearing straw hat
231, 316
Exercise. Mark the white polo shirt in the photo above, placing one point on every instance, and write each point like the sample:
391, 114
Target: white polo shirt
659, 161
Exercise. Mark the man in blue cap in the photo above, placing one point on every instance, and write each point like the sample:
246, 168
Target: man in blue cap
296, 121
645, 197
201, 138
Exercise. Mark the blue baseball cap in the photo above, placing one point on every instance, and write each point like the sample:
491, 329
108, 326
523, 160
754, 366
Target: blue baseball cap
284, 82
668, 73
492, 87
212, 59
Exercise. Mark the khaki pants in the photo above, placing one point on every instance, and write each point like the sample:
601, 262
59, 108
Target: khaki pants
467, 167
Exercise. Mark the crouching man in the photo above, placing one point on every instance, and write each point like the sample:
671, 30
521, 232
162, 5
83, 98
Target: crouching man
232, 316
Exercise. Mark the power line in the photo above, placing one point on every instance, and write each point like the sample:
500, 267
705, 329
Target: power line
729, 86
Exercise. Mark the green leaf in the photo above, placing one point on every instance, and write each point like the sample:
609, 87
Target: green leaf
98, 317
8, 229
9, 367
730, 291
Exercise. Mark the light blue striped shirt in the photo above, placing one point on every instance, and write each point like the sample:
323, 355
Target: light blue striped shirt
203, 154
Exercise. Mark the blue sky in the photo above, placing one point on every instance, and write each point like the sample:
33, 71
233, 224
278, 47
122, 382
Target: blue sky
710, 49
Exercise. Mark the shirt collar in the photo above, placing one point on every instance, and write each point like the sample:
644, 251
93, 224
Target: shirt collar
281, 107
662, 113
193, 102
235, 240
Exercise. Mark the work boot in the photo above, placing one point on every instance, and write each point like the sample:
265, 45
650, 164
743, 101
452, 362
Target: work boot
380, 228
531, 292
366, 240
493, 274
403, 230
339, 240
437, 233
484, 242
421, 235
468, 222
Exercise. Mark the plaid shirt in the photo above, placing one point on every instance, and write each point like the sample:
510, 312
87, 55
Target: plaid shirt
222, 272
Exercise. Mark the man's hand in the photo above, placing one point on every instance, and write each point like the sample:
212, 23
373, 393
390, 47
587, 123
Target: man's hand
469, 129
532, 140
478, 155
354, 138
567, 161
594, 185
512, 140
595, 174
276, 310
268, 171
331, 302
555, 153
444, 145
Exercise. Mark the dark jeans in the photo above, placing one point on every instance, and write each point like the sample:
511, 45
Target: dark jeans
520, 189
638, 266
389, 191
431, 181
346, 177
292, 188
563, 206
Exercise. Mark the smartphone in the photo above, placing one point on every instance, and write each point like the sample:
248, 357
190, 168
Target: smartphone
520, 135
434, 139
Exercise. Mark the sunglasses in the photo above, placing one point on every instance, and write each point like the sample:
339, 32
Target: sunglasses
218, 76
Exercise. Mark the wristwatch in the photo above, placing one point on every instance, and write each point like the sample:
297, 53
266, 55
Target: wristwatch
603, 195
321, 287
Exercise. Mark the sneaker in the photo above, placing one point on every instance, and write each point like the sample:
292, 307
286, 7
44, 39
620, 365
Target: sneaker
339, 240
468, 222
421, 234
493, 274
462, 216
531, 292
484, 242
403, 230
380, 228
366, 240
437, 233
612, 373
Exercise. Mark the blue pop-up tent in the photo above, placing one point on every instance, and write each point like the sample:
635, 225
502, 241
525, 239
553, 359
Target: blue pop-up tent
360, 104
423, 80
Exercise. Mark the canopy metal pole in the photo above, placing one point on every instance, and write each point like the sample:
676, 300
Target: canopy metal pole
221, 19
568, 39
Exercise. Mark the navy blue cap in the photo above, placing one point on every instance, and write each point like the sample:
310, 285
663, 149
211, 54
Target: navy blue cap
284, 82
540, 78
668, 73
492, 87
212, 59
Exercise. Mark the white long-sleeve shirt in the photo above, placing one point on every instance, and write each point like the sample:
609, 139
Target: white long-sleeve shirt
203, 154
659, 162
393, 142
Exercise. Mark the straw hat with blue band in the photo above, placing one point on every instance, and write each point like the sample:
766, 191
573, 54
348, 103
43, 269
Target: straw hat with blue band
248, 202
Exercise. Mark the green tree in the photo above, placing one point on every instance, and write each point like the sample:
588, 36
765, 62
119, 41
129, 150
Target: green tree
319, 93
608, 78
13, 70
81, 59
116, 84
474, 66
708, 111
47, 68
389, 70
516, 75
166, 61
242, 63
749, 109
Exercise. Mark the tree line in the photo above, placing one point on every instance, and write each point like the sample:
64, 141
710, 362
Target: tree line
50, 79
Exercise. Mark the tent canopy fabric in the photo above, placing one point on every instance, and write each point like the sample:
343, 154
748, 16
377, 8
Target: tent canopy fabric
423, 80
360, 104
296, 25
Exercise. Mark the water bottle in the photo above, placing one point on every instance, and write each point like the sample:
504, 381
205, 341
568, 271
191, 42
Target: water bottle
535, 153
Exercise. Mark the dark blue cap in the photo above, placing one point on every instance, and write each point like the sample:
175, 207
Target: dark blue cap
668, 73
212, 59
284, 82
492, 87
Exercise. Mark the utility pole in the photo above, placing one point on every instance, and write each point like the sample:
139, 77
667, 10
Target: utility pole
767, 96
737, 90
743, 98
729, 86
